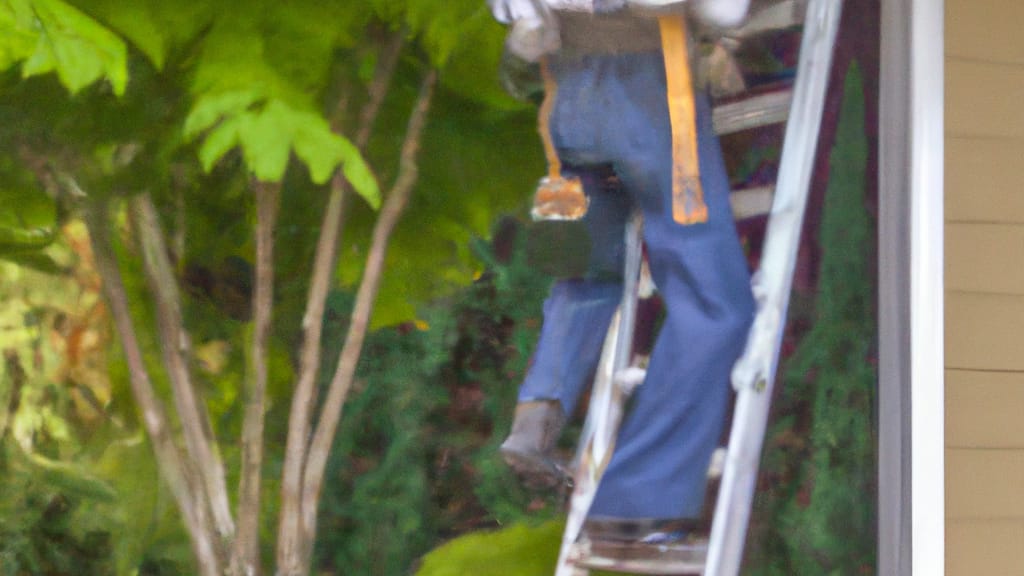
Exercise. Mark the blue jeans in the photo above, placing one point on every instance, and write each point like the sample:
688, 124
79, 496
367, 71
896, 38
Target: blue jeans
611, 110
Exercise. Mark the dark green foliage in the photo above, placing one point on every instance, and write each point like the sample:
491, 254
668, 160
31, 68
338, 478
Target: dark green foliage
45, 523
819, 517
376, 510
415, 461
500, 321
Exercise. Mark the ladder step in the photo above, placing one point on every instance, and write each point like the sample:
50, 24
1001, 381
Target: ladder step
627, 380
717, 466
670, 559
750, 202
752, 112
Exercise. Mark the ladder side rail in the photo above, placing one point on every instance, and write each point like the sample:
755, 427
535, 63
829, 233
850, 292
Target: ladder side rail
630, 289
754, 374
604, 414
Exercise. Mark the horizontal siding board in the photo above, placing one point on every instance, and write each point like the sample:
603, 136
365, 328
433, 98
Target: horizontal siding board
989, 33
985, 410
984, 99
985, 331
984, 181
977, 257
986, 547
984, 484
984, 208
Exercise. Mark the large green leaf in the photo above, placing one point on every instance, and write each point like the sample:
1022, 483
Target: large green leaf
28, 216
254, 85
209, 109
268, 131
154, 27
17, 39
63, 40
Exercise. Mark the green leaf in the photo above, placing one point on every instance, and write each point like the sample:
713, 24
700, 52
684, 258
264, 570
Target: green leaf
73, 479
268, 135
37, 261
219, 142
266, 140
76, 47
16, 240
16, 38
155, 27
358, 173
520, 550
136, 22
321, 150
210, 108
28, 216
314, 142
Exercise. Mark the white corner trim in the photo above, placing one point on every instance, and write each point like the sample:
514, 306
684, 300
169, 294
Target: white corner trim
927, 288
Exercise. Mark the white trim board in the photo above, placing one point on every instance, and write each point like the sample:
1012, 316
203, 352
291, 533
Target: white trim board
911, 532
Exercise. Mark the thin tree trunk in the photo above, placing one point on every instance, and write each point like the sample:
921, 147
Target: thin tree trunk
323, 437
183, 481
17, 377
325, 260
245, 560
175, 346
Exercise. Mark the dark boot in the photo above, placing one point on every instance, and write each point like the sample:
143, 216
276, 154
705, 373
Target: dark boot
529, 448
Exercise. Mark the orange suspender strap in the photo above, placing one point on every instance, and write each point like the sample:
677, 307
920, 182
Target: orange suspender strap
688, 205
557, 197
544, 121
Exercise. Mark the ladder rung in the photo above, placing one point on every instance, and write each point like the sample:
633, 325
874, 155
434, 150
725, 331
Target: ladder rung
752, 112
668, 559
750, 202
717, 465
627, 380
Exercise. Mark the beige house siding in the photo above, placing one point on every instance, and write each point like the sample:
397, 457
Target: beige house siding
984, 287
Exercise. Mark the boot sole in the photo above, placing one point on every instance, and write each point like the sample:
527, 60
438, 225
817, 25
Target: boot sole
535, 470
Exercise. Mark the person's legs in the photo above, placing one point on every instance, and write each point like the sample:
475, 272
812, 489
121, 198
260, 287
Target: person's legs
613, 109
663, 449
578, 311
577, 314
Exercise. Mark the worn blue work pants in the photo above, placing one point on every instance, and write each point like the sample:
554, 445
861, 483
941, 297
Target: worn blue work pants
612, 110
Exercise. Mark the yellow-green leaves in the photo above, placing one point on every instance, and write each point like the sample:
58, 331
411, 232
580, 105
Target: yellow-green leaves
28, 217
256, 84
52, 36
268, 130
155, 27
17, 39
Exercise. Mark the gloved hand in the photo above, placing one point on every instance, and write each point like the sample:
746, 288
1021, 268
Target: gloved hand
508, 11
532, 38
717, 13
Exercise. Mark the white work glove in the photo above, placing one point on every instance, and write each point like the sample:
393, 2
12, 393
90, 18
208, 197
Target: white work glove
718, 13
534, 29
532, 38
509, 11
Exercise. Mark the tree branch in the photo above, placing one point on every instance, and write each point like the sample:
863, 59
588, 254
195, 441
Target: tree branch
325, 261
175, 346
184, 483
245, 560
394, 206
17, 376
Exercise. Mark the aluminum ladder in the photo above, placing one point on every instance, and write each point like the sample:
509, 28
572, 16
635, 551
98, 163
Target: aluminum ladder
753, 376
